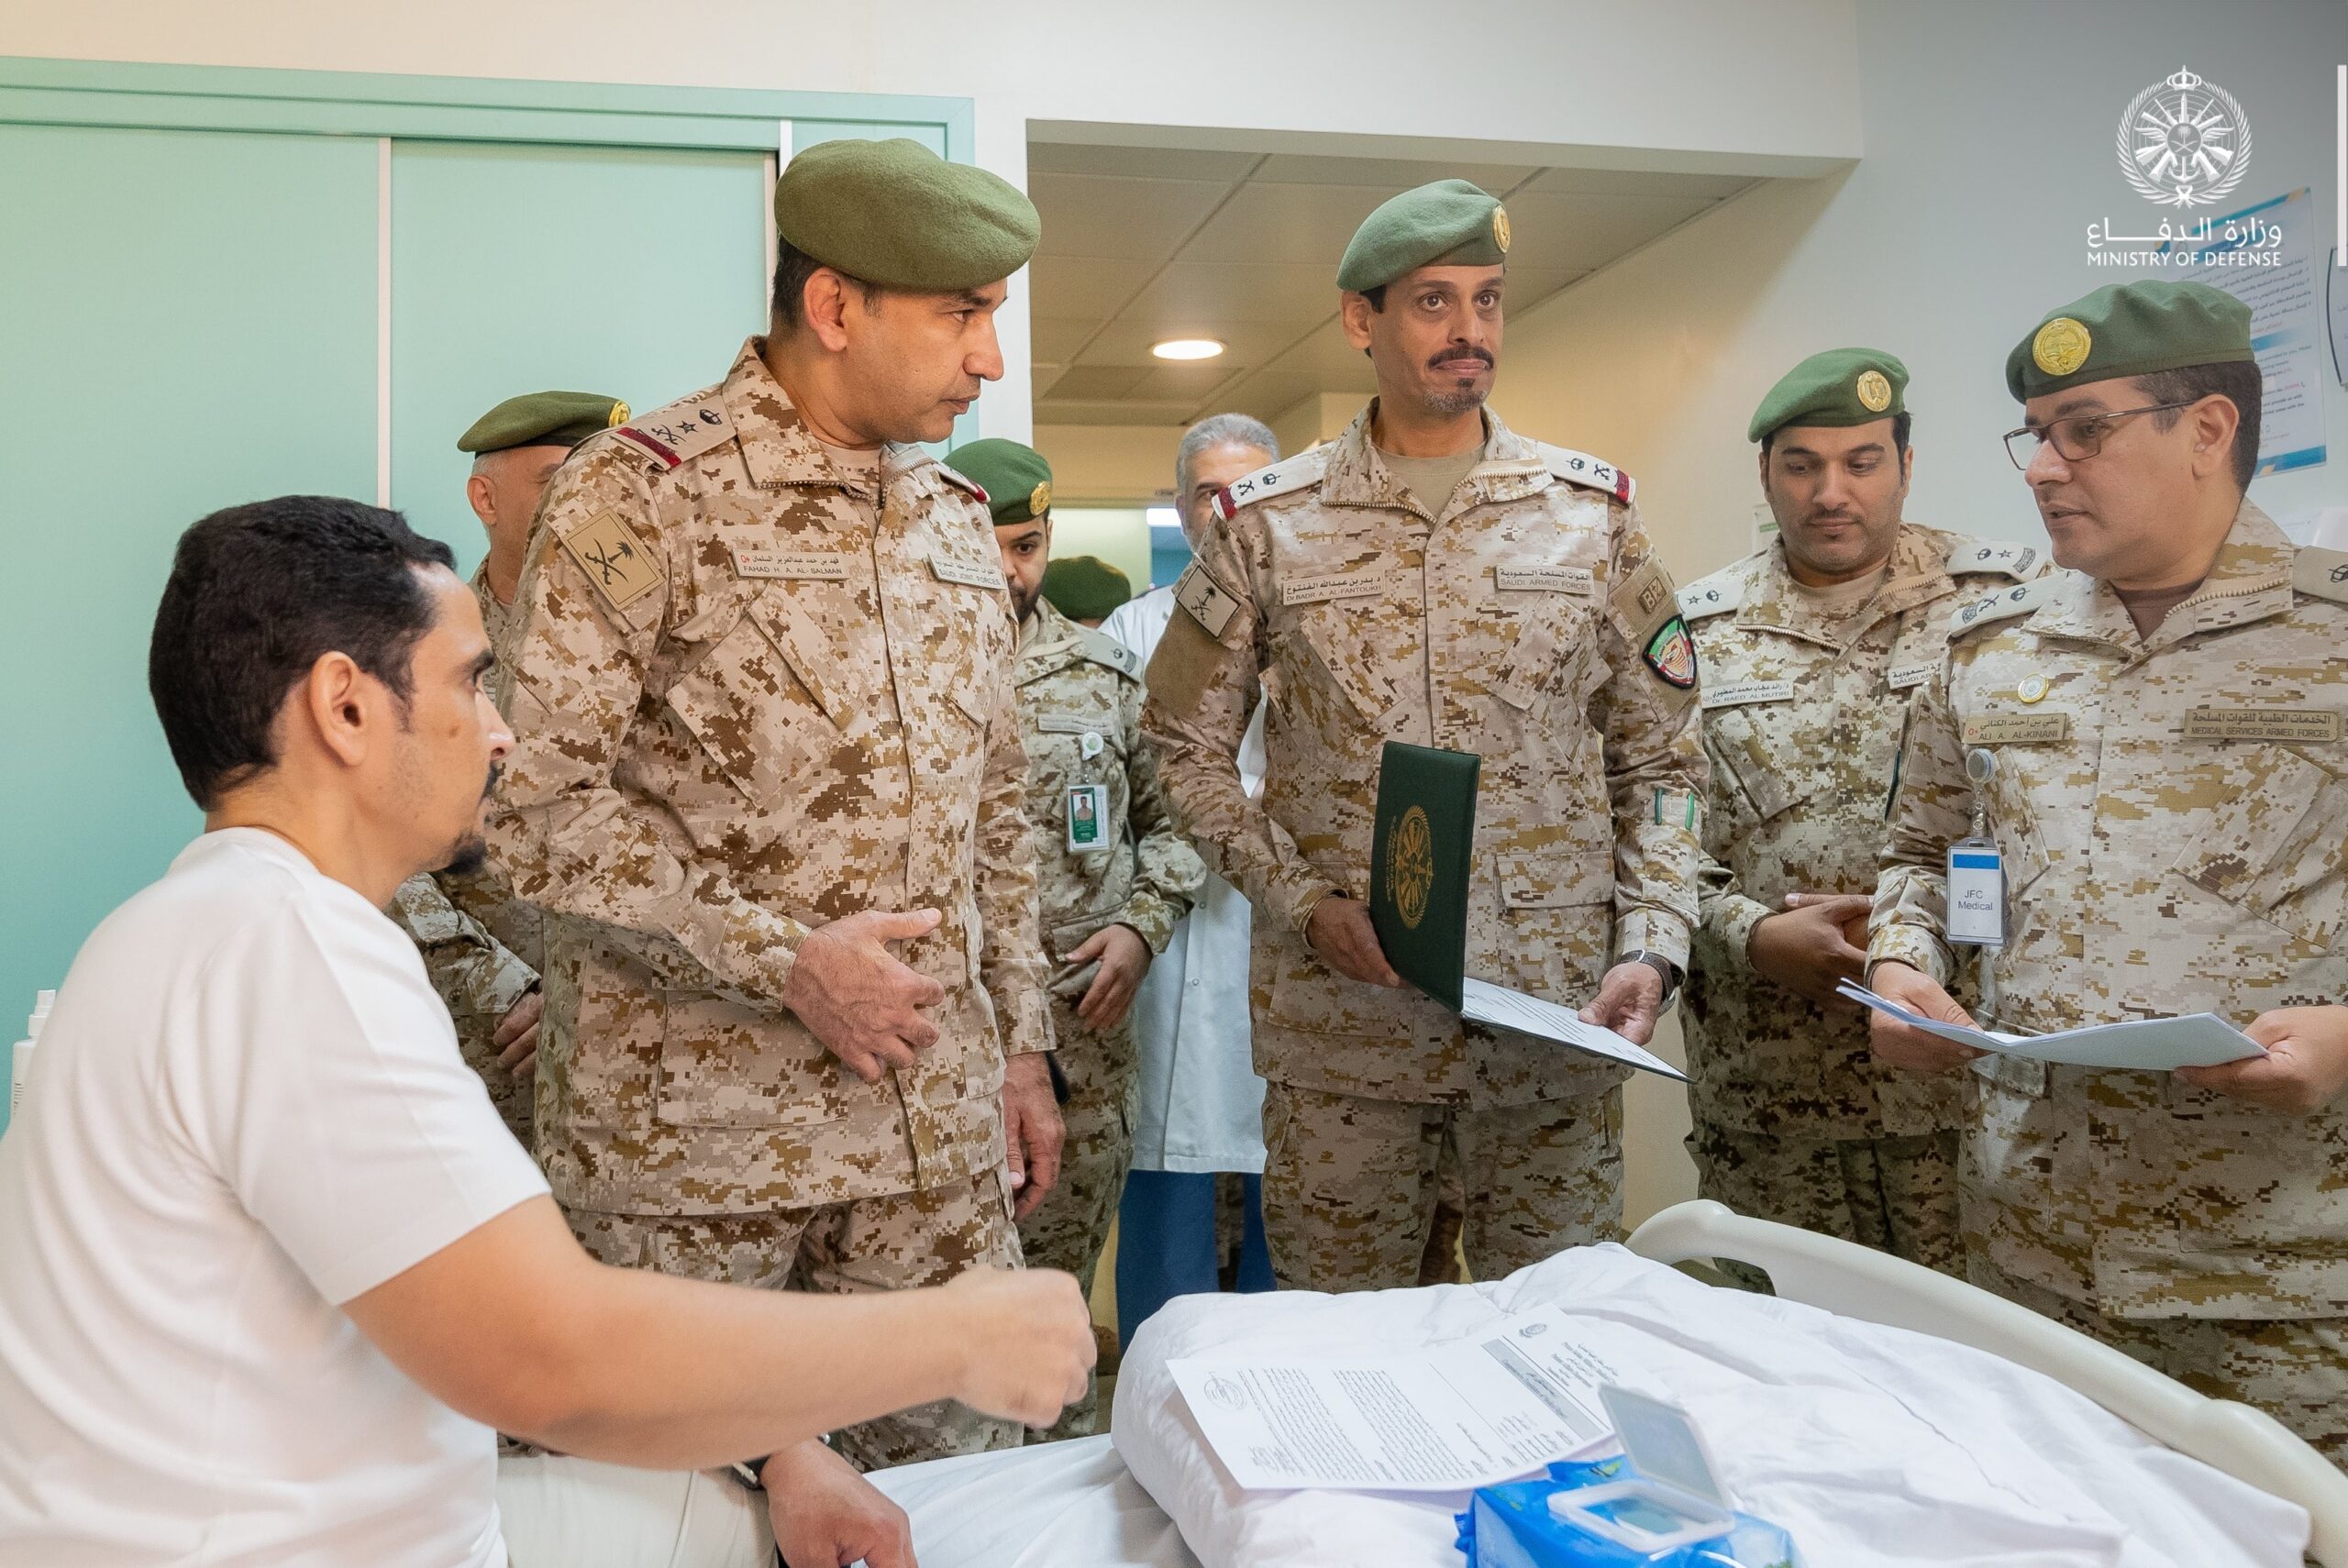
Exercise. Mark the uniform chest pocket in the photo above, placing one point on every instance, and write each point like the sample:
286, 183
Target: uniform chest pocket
1756, 754
1078, 747
758, 710
2276, 844
1555, 650
1353, 649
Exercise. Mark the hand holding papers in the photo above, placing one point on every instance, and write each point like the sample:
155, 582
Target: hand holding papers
1488, 1409
1418, 901
2154, 1045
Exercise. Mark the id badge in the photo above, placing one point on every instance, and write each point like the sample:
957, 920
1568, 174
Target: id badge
1977, 894
1088, 815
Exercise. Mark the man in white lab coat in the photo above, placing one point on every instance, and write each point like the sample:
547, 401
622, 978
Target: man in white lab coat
1202, 1103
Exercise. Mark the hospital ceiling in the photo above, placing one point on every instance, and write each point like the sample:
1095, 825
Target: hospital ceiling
1142, 244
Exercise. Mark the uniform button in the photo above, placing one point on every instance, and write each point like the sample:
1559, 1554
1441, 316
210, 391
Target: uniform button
1193, 982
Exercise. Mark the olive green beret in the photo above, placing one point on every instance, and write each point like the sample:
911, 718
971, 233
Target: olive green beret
1449, 222
1017, 480
894, 212
2130, 330
543, 419
1085, 588
1839, 387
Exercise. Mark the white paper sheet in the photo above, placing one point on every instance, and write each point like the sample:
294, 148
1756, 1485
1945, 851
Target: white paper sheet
2155, 1044
1483, 1003
1477, 1411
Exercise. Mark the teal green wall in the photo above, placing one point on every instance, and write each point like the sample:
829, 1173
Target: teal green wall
627, 270
191, 323
188, 272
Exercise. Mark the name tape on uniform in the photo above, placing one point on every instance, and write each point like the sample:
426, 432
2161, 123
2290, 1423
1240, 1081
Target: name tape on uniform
1905, 676
1334, 585
762, 561
969, 574
1067, 724
1546, 580
2301, 724
619, 566
1740, 693
2016, 729
1204, 600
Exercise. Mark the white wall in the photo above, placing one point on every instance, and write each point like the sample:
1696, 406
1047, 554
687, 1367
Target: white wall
1989, 133
1676, 84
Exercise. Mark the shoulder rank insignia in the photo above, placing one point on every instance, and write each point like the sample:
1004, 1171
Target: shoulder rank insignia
1104, 649
684, 429
1580, 468
618, 565
2003, 605
2320, 574
1272, 479
1976, 556
1715, 595
963, 482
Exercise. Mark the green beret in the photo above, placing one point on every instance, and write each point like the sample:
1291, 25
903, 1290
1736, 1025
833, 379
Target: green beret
2130, 330
894, 212
1017, 480
1839, 387
1085, 588
1450, 222
543, 419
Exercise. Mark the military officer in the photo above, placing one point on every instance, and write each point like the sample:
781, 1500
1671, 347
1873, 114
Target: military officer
1114, 874
482, 946
769, 770
1431, 576
1809, 650
2158, 730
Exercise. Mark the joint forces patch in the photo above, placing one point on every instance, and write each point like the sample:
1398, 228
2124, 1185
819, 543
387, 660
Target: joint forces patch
1671, 654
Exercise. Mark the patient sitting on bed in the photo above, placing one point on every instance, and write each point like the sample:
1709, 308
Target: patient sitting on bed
274, 1269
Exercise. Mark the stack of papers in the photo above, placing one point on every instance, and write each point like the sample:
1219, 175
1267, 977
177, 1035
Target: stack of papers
1500, 1404
2153, 1045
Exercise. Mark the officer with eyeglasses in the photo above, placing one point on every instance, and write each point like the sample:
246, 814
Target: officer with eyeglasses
2154, 741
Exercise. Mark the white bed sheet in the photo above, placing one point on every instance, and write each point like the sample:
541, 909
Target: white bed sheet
1874, 1446
1058, 1505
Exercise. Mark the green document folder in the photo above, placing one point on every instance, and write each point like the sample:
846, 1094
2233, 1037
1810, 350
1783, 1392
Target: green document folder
1418, 864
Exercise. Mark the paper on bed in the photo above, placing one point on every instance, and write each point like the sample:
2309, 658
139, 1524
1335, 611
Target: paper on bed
1484, 1002
1487, 1408
2153, 1045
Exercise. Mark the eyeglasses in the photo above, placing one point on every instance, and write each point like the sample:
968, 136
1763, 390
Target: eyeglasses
2078, 438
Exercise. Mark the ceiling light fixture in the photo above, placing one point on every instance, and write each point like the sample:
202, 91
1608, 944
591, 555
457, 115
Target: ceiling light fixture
1187, 348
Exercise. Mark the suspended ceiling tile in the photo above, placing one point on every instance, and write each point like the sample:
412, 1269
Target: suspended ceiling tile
1054, 411
1070, 287
1057, 339
1286, 222
1145, 162
1139, 220
1194, 297
1628, 183
1578, 233
1187, 382
1127, 339
1392, 173
1098, 381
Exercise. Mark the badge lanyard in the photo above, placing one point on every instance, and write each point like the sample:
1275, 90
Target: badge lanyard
1976, 884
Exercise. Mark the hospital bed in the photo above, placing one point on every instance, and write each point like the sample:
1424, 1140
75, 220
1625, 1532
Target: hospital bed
1075, 1505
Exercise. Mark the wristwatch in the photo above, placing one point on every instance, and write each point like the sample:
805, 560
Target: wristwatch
746, 1470
1661, 965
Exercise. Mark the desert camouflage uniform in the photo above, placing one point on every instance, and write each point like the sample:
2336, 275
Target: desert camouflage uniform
1080, 713
1795, 1121
480, 945
2172, 814
751, 694
1512, 625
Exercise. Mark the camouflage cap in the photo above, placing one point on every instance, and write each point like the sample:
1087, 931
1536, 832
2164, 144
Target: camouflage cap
1839, 387
1451, 222
543, 419
2129, 329
1085, 588
894, 212
1017, 480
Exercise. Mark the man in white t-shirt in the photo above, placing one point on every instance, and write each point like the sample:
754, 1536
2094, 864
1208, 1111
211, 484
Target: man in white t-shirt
271, 1270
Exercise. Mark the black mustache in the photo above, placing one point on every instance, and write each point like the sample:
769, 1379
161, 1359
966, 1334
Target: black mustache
1469, 353
496, 771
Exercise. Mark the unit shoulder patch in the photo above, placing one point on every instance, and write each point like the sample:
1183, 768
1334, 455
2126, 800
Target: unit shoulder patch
1104, 649
1202, 599
2003, 605
1273, 479
618, 565
1645, 600
1975, 556
1580, 468
2320, 574
684, 429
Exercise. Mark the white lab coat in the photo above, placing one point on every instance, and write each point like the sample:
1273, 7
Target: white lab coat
1202, 1103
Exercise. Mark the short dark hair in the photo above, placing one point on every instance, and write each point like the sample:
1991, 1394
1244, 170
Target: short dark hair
258, 594
792, 268
1902, 424
2239, 383
1376, 296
